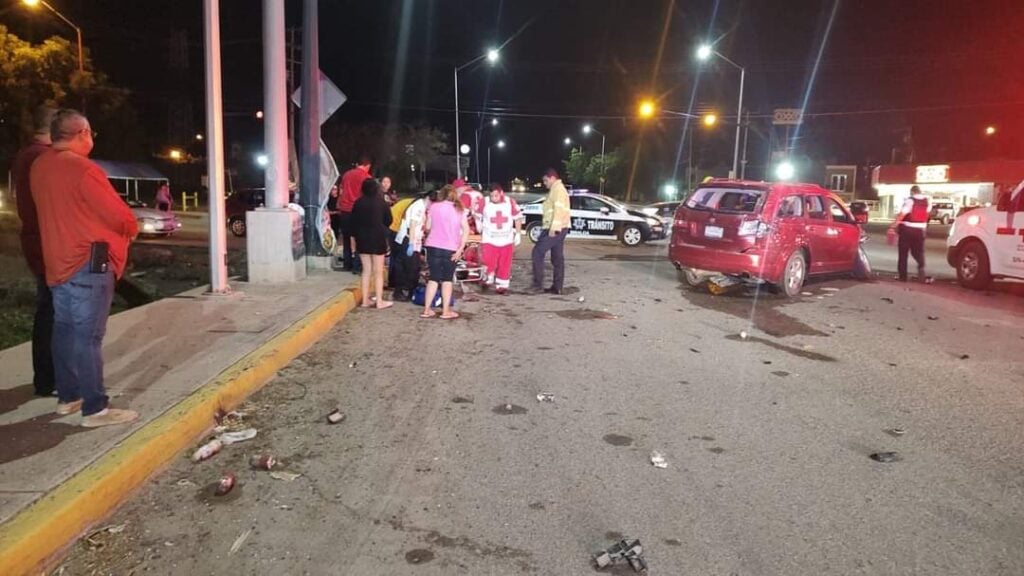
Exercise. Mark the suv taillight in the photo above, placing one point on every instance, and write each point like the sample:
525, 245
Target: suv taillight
754, 228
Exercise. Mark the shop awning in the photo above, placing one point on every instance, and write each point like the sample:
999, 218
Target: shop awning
984, 171
129, 170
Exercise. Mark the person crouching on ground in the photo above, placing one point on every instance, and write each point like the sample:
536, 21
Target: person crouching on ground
370, 219
409, 243
501, 231
447, 230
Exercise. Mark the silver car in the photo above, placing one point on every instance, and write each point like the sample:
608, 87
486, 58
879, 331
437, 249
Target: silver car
153, 222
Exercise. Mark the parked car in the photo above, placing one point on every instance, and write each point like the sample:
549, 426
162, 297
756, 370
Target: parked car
153, 222
598, 217
664, 211
944, 212
988, 242
779, 233
241, 201
859, 211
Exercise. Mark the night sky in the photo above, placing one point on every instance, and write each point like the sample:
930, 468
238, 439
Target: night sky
944, 68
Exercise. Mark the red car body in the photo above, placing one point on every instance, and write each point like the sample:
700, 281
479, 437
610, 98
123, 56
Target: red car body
754, 229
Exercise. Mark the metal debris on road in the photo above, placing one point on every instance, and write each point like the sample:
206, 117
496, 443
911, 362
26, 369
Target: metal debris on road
887, 299
207, 451
335, 416
239, 541
719, 285
286, 476
352, 364
229, 438
658, 459
262, 462
965, 356
626, 550
744, 335
830, 289
933, 317
545, 397
581, 299
225, 484
897, 431
185, 483
885, 457
807, 293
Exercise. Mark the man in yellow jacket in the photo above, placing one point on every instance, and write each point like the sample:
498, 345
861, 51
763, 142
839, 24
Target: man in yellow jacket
555, 227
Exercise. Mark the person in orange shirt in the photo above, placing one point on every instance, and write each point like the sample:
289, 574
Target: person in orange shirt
85, 229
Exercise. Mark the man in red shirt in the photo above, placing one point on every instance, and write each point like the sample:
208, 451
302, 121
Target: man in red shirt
86, 229
32, 249
351, 190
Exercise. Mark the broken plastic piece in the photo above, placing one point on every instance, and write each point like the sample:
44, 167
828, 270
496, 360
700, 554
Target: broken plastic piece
286, 476
229, 438
545, 397
885, 457
658, 459
626, 550
335, 416
207, 450
262, 462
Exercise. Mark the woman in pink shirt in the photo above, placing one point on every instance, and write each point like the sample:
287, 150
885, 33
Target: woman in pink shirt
447, 230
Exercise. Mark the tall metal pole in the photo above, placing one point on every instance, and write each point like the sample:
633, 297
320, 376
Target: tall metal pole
743, 161
458, 161
275, 105
602, 164
310, 120
81, 56
476, 151
215, 149
488, 166
739, 118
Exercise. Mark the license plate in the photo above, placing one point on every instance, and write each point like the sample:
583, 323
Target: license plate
712, 232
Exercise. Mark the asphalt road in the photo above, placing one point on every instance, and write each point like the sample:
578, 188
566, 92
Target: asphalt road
448, 464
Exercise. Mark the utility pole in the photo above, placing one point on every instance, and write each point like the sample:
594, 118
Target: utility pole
310, 119
215, 148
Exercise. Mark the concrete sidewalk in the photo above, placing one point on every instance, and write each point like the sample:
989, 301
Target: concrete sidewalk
175, 361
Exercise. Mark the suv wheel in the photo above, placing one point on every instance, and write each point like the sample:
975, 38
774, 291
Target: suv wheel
533, 230
972, 269
794, 274
237, 226
631, 235
946, 219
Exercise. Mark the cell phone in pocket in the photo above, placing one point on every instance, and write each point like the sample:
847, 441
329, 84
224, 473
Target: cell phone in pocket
99, 258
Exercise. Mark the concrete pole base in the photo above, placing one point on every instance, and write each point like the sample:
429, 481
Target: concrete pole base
319, 263
275, 249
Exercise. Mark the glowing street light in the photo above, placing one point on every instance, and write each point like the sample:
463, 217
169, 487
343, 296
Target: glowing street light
785, 171
464, 148
647, 109
199, 137
567, 141
262, 160
990, 130
492, 56
710, 120
494, 121
704, 52
500, 144
259, 114
78, 31
175, 154
587, 129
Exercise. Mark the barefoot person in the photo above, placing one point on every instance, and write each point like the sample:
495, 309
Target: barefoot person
501, 226
447, 230
370, 220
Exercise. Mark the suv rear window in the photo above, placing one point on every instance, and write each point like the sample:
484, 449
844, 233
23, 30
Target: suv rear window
726, 200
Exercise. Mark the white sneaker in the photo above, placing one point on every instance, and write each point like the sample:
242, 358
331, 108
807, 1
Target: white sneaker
109, 417
65, 408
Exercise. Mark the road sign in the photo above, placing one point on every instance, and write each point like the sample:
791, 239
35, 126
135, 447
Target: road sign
788, 117
331, 98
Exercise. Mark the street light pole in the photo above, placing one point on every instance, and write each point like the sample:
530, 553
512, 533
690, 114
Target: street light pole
78, 31
458, 159
215, 149
705, 52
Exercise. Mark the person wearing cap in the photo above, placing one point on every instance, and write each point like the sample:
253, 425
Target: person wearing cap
501, 227
32, 250
910, 225
471, 199
555, 227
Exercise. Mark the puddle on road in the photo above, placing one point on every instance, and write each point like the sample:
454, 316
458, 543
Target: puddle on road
618, 440
586, 314
782, 347
762, 309
419, 556
508, 409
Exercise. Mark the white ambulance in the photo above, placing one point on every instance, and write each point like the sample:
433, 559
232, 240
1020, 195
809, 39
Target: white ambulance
988, 243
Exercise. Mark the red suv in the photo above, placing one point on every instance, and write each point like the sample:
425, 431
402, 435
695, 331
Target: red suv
778, 233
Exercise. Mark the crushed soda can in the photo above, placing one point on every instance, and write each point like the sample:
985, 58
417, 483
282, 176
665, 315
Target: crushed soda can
335, 416
545, 397
262, 462
207, 451
626, 550
658, 459
225, 484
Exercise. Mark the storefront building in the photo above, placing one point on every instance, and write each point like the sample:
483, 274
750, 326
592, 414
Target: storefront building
962, 183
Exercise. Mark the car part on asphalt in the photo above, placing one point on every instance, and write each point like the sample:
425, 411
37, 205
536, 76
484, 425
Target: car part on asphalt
229, 438
225, 484
721, 284
207, 451
545, 397
336, 416
658, 460
285, 476
626, 550
885, 457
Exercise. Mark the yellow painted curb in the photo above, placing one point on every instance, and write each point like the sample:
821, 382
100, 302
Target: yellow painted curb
31, 540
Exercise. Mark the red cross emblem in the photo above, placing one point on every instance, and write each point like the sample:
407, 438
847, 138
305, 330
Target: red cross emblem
499, 220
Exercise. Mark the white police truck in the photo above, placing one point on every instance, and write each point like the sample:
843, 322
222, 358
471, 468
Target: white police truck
988, 243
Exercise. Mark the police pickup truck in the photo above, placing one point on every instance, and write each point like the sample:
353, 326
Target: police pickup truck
988, 243
598, 217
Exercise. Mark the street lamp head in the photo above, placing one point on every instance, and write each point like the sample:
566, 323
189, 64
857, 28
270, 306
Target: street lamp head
587, 128
567, 141
30, 3
492, 55
990, 130
785, 171
262, 160
646, 109
704, 52
464, 148
501, 144
259, 114
175, 154
710, 120
494, 121
199, 136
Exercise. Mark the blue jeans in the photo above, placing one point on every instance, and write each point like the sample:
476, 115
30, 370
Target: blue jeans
80, 310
